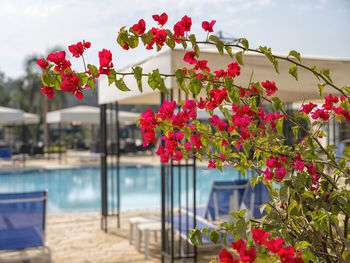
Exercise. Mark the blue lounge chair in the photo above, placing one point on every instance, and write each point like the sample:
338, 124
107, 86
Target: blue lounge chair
5, 153
22, 226
225, 197
253, 199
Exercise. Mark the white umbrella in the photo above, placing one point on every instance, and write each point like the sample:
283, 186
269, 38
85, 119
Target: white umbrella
87, 115
10, 115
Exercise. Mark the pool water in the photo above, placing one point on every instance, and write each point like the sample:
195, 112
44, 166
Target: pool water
79, 188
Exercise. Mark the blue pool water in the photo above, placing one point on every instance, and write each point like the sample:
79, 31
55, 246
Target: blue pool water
79, 188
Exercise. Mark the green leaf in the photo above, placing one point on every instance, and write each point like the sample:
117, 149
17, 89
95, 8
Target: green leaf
83, 77
325, 72
180, 79
138, 76
302, 244
239, 57
314, 70
284, 193
293, 70
195, 86
279, 127
170, 43
295, 130
162, 87
184, 43
48, 79
147, 37
347, 88
214, 236
257, 85
295, 54
154, 79
121, 85
277, 104
91, 83
244, 42
133, 41
242, 213
303, 116
214, 38
267, 52
229, 51
320, 89
93, 70
112, 77
220, 47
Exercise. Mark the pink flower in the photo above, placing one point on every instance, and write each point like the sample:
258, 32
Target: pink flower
179, 136
196, 141
268, 174
208, 26
188, 146
212, 164
177, 156
299, 165
320, 113
222, 125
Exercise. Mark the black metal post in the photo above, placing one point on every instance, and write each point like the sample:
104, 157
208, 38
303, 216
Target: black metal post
59, 142
117, 161
103, 153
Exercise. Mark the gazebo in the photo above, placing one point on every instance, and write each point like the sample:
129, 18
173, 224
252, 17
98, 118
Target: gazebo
256, 68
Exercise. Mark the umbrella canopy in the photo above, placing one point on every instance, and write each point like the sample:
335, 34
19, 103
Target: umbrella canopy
86, 115
256, 67
15, 116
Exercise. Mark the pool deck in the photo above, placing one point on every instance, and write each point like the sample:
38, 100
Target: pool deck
76, 237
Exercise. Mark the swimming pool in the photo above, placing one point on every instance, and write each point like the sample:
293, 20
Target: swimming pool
79, 188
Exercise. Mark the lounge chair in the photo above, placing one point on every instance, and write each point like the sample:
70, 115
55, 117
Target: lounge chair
225, 197
22, 226
253, 199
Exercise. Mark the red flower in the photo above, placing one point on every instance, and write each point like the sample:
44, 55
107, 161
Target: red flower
196, 141
259, 236
239, 245
140, 27
106, 64
225, 256
86, 44
125, 46
162, 19
202, 65
320, 113
208, 26
248, 255
307, 108
270, 87
186, 22
233, 69
49, 91
179, 31
268, 174
286, 253
274, 245
189, 57
42, 63
76, 50
59, 58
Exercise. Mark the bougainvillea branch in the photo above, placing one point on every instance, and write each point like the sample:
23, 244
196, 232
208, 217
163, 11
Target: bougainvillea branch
307, 219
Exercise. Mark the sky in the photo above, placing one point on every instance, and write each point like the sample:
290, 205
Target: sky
313, 27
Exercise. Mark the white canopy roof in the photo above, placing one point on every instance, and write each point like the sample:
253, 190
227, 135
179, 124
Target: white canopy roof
17, 116
86, 115
256, 66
